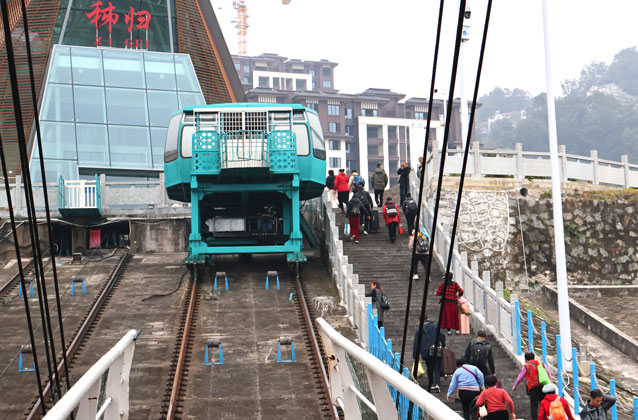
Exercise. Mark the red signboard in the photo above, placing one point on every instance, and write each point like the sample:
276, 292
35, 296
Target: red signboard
106, 16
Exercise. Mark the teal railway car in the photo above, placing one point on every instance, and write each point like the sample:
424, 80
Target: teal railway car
245, 167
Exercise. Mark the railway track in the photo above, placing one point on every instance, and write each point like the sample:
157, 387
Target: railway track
187, 368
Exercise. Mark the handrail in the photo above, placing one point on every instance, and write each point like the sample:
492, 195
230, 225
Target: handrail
379, 374
85, 393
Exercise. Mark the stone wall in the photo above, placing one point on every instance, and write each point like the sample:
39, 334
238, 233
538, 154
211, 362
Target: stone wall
601, 235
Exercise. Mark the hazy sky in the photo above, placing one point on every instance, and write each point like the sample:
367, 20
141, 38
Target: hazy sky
390, 44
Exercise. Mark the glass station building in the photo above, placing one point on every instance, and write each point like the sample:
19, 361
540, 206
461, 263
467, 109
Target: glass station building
110, 75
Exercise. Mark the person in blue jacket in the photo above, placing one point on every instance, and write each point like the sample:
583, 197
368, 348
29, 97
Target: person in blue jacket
468, 379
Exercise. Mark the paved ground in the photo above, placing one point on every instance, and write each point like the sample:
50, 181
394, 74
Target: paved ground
622, 312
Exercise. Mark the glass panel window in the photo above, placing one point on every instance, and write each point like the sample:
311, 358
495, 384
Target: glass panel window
349, 113
61, 66
419, 115
160, 71
158, 139
264, 82
53, 169
126, 106
349, 130
303, 144
312, 106
130, 146
89, 104
334, 162
87, 66
333, 109
373, 132
327, 71
186, 79
160, 106
327, 84
237, 66
123, 68
58, 141
312, 73
335, 145
300, 84
246, 81
93, 145
187, 140
246, 69
58, 105
188, 99
333, 127
348, 147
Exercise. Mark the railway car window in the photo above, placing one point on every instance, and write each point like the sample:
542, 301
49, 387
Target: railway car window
303, 144
318, 146
170, 153
187, 140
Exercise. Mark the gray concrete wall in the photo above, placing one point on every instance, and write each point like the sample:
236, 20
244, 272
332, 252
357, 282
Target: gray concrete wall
163, 236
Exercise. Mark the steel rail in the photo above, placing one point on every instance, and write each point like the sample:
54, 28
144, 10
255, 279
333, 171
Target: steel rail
82, 332
14, 280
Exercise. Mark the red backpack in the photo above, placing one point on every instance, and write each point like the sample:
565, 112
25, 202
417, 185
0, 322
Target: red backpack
556, 410
531, 375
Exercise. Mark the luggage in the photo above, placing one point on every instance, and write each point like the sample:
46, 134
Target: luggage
400, 230
449, 361
374, 221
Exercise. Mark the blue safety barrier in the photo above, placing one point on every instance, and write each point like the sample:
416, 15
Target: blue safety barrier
612, 392
575, 379
26, 349
635, 408
559, 366
78, 280
592, 376
519, 345
272, 274
30, 288
213, 343
286, 341
544, 342
530, 332
223, 273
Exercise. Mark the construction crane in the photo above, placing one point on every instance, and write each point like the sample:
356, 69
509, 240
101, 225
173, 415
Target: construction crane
242, 24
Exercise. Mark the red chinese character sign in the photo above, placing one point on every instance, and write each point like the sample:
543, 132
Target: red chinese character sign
106, 16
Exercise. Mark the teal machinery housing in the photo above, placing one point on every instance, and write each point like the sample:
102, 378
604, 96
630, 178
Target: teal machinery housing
245, 168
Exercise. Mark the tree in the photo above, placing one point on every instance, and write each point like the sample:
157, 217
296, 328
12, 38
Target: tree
591, 75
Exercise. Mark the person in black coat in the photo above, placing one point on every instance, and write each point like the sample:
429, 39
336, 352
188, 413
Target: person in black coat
366, 199
375, 293
428, 352
404, 173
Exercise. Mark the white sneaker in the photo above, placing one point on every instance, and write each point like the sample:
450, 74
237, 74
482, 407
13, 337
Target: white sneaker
415, 277
352, 238
365, 232
356, 242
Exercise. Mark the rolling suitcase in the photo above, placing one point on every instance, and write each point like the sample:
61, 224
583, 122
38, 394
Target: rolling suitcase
374, 221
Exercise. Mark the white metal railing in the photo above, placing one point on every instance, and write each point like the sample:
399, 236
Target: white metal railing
80, 194
345, 393
85, 394
520, 164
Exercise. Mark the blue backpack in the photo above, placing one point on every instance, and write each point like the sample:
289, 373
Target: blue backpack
358, 181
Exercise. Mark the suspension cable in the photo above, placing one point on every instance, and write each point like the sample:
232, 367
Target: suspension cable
446, 136
417, 222
459, 196
20, 270
28, 192
36, 114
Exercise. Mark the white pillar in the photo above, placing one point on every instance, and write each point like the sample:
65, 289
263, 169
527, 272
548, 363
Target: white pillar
461, 77
559, 234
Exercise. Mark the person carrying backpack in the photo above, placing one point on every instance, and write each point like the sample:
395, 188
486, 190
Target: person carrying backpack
379, 181
355, 211
597, 406
553, 407
537, 376
366, 199
479, 353
410, 209
422, 250
429, 354
379, 301
355, 181
392, 218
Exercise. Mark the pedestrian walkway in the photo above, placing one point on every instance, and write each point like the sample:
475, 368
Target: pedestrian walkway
375, 258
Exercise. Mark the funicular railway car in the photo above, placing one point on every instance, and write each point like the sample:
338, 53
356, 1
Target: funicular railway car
245, 167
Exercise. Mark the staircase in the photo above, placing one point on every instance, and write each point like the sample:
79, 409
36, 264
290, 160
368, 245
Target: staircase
375, 258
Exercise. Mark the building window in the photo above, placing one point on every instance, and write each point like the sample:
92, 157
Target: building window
350, 164
333, 127
300, 84
420, 115
368, 112
348, 147
392, 132
373, 132
246, 69
237, 66
333, 109
314, 84
312, 73
334, 162
327, 71
349, 130
327, 84
246, 81
349, 113
264, 82
373, 150
335, 145
312, 106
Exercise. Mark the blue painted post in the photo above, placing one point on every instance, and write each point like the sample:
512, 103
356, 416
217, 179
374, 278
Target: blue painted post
370, 323
575, 376
403, 406
635, 408
382, 344
375, 332
530, 332
559, 366
592, 376
544, 341
612, 392
517, 306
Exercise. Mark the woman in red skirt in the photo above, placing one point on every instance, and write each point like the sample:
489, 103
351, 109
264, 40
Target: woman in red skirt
450, 319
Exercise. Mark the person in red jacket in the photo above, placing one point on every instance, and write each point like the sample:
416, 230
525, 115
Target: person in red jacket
546, 405
392, 218
343, 191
